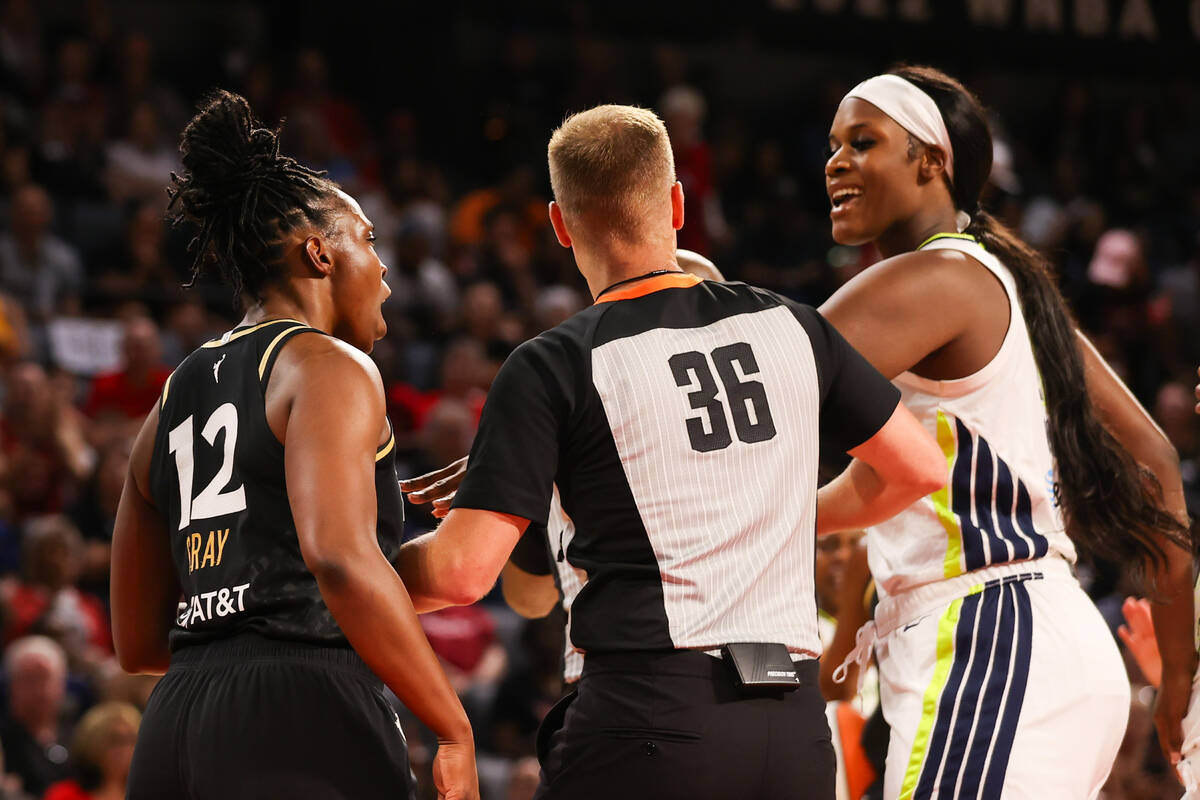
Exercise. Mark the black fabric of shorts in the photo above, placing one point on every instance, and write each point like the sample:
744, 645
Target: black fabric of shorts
249, 717
674, 726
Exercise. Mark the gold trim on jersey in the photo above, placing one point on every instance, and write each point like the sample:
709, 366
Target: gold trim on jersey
231, 336
387, 448
262, 364
166, 388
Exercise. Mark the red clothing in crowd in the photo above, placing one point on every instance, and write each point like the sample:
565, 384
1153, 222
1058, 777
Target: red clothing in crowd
409, 408
115, 393
460, 634
70, 611
66, 790
693, 168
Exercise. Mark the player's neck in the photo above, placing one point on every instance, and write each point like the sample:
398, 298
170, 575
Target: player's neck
283, 306
907, 235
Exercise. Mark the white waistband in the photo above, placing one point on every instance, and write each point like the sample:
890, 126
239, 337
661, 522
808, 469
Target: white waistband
902, 608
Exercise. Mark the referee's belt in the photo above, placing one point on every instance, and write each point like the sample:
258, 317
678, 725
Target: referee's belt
751, 666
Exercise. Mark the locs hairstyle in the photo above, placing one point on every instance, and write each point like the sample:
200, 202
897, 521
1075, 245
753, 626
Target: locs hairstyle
241, 194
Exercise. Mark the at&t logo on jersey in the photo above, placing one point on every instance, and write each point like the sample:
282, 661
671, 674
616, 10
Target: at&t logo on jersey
223, 602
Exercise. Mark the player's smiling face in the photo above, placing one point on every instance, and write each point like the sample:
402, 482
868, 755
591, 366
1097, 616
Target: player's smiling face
359, 287
870, 177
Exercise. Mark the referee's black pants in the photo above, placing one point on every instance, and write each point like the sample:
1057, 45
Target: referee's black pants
673, 724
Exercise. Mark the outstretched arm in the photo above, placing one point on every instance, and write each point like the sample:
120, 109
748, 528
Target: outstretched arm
459, 562
893, 469
1132, 426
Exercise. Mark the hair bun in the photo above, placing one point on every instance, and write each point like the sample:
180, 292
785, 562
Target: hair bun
224, 146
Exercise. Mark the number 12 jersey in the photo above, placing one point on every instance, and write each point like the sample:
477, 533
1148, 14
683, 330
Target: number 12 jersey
217, 478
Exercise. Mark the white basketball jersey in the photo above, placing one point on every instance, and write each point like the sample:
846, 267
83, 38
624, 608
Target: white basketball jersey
999, 504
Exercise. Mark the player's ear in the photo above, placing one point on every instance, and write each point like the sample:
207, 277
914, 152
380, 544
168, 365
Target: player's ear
677, 205
318, 254
933, 162
560, 227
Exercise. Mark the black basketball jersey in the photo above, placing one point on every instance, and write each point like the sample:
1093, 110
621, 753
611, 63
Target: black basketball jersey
217, 477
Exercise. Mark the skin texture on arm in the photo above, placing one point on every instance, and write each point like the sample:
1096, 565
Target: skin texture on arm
459, 562
531, 596
908, 313
1132, 426
335, 419
893, 469
145, 589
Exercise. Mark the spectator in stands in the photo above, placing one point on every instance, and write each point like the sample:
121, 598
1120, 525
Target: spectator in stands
43, 451
139, 269
95, 513
141, 162
516, 193
42, 272
119, 401
683, 110
35, 729
101, 750
47, 600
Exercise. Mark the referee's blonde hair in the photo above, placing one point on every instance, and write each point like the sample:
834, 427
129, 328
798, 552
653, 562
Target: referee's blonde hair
611, 167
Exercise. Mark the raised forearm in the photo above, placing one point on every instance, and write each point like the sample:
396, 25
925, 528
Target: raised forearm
1174, 614
859, 498
412, 565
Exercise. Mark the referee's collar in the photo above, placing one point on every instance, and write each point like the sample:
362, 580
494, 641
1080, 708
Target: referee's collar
672, 280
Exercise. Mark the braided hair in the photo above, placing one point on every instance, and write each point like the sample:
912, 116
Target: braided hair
241, 194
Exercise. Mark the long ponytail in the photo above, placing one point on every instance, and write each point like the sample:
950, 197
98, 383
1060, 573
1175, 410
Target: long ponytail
1112, 506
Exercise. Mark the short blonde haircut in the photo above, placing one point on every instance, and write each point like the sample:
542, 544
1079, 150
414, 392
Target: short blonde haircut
95, 732
611, 166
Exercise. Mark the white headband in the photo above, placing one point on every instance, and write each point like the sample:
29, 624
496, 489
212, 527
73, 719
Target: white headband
911, 109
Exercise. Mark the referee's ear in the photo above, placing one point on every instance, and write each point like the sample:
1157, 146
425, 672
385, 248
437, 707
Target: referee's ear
677, 205
560, 227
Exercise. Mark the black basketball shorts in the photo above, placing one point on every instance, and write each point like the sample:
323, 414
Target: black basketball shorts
249, 717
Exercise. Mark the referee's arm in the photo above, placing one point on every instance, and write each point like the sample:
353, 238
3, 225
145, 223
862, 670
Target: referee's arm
459, 562
509, 482
892, 470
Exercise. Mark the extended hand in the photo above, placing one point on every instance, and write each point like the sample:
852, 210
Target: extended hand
437, 487
1138, 636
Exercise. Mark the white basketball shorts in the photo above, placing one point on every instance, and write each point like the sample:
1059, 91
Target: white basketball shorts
1002, 683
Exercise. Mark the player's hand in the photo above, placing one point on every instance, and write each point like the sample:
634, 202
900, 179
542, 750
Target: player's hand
454, 771
437, 487
1138, 636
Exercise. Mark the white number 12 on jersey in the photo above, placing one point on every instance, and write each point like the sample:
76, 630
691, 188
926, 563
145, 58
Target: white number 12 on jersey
213, 501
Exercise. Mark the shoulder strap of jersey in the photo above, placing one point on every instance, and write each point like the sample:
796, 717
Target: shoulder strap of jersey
271, 352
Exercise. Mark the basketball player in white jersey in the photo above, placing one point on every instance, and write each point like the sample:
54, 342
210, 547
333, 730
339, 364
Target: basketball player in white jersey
998, 676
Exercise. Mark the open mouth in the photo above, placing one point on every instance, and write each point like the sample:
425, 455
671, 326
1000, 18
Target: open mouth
843, 199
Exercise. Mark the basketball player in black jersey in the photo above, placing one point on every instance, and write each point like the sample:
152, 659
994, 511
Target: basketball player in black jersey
262, 491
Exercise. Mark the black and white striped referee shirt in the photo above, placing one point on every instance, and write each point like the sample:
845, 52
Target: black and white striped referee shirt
681, 421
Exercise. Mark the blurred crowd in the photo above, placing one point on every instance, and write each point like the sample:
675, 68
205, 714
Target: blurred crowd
1102, 177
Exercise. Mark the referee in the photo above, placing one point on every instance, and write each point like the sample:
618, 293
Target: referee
680, 421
